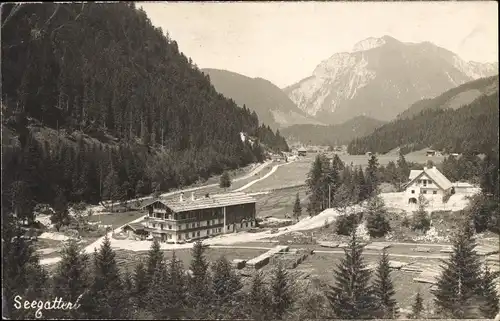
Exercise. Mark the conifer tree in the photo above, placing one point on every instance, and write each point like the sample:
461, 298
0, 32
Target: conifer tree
457, 292
282, 292
377, 222
176, 288
258, 302
107, 287
403, 169
421, 220
371, 176
141, 286
226, 286
383, 289
225, 180
199, 293
157, 292
417, 308
297, 208
155, 258
21, 271
351, 297
488, 290
72, 279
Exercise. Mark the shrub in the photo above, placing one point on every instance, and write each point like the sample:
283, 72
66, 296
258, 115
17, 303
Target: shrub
421, 221
346, 224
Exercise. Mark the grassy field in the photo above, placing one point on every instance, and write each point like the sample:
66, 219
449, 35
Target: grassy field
117, 219
280, 202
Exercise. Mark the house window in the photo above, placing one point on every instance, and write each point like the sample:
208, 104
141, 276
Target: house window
169, 236
161, 226
208, 231
198, 233
170, 227
193, 234
434, 192
197, 224
424, 192
154, 225
187, 235
208, 223
413, 191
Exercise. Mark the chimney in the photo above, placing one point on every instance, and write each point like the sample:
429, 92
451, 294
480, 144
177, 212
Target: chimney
192, 196
181, 197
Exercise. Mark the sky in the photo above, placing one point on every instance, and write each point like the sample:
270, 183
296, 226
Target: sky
284, 41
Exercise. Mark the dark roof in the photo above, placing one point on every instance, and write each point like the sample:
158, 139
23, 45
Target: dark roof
214, 201
135, 226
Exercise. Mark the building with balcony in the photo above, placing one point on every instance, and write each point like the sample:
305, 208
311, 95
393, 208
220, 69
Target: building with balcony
182, 220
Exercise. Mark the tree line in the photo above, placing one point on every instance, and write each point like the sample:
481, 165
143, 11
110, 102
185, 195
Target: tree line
100, 105
447, 130
162, 288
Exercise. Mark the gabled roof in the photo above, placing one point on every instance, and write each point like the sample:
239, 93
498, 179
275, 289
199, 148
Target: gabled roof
213, 201
434, 174
135, 226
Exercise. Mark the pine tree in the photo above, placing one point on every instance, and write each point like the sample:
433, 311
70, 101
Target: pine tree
384, 289
458, 286
176, 289
225, 180
403, 169
421, 220
488, 290
155, 258
371, 177
21, 271
157, 292
258, 301
141, 286
72, 279
297, 208
107, 287
282, 293
351, 297
377, 222
199, 293
226, 286
417, 308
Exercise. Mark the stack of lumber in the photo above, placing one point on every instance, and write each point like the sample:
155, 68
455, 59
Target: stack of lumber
422, 249
238, 263
329, 244
487, 249
263, 259
429, 275
377, 246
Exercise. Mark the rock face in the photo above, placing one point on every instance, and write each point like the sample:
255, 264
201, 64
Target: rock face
380, 78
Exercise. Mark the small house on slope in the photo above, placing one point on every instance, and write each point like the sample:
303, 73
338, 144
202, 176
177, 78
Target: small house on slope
429, 181
302, 151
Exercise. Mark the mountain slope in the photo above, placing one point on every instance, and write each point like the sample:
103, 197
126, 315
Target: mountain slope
270, 103
471, 128
380, 78
104, 106
455, 97
331, 135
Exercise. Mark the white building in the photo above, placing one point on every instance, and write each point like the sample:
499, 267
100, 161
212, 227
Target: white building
428, 182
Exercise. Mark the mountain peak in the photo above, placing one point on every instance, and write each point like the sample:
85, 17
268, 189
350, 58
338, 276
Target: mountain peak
373, 42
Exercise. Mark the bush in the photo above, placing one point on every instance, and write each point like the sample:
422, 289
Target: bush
421, 221
405, 222
346, 224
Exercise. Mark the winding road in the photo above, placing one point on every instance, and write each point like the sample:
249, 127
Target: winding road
96, 244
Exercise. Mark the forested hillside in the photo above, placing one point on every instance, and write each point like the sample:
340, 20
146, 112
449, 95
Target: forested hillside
270, 103
455, 97
472, 128
334, 134
97, 74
